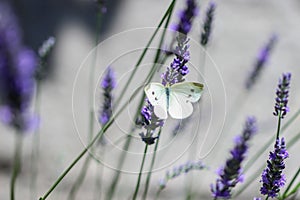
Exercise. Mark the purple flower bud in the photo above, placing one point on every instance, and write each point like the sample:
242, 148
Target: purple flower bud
282, 94
261, 61
178, 69
107, 84
207, 26
186, 17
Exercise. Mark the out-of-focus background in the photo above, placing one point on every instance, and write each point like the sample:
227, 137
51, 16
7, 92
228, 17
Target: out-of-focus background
240, 29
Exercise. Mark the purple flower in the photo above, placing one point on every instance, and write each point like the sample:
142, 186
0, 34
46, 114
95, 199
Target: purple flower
207, 26
150, 122
261, 60
17, 68
272, 178
107, 84
178, 69
186, 17
282, 94
231, 173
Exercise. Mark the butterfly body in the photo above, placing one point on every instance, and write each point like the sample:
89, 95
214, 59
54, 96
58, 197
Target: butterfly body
176, 99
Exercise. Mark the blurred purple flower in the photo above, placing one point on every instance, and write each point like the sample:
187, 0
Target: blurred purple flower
108, 84
282, 94
207, 26
186, 17
17, 68
231, 173
272, 178
181, 169
261, 60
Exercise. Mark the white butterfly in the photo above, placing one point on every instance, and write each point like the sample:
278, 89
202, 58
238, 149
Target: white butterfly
176, 99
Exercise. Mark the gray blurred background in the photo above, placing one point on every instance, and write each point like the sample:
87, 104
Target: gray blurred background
240, 29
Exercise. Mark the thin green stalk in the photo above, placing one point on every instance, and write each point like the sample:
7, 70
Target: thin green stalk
285, 194
158, 193
34, 170
99, 174
269, 142
85, 150
167, 13
258, 172
294, 190
151, 166
17, 164
140, 173
78, 182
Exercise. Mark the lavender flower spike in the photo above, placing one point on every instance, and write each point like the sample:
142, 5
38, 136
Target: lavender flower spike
108, 84
282, 94
150, 122
231, 173
17, 68
261, 61
181, 169
186, 17
272, 177
207, 26
178, 69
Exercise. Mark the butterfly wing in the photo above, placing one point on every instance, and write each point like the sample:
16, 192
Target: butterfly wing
156, 93
182, 95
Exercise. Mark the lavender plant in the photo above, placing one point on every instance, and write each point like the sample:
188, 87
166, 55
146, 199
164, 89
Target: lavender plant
17, 67
231, 173
18, 64
181, 169
261, 61
17, 83
41, 73
272, 177
108, 84
208, 22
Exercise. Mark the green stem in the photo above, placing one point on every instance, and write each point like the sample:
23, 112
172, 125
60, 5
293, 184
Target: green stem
78, 182
17, 164
36, 144
99, 174
158, 193
140, 173
294, 190
151, 166
84, 151
278, 126
290, 185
